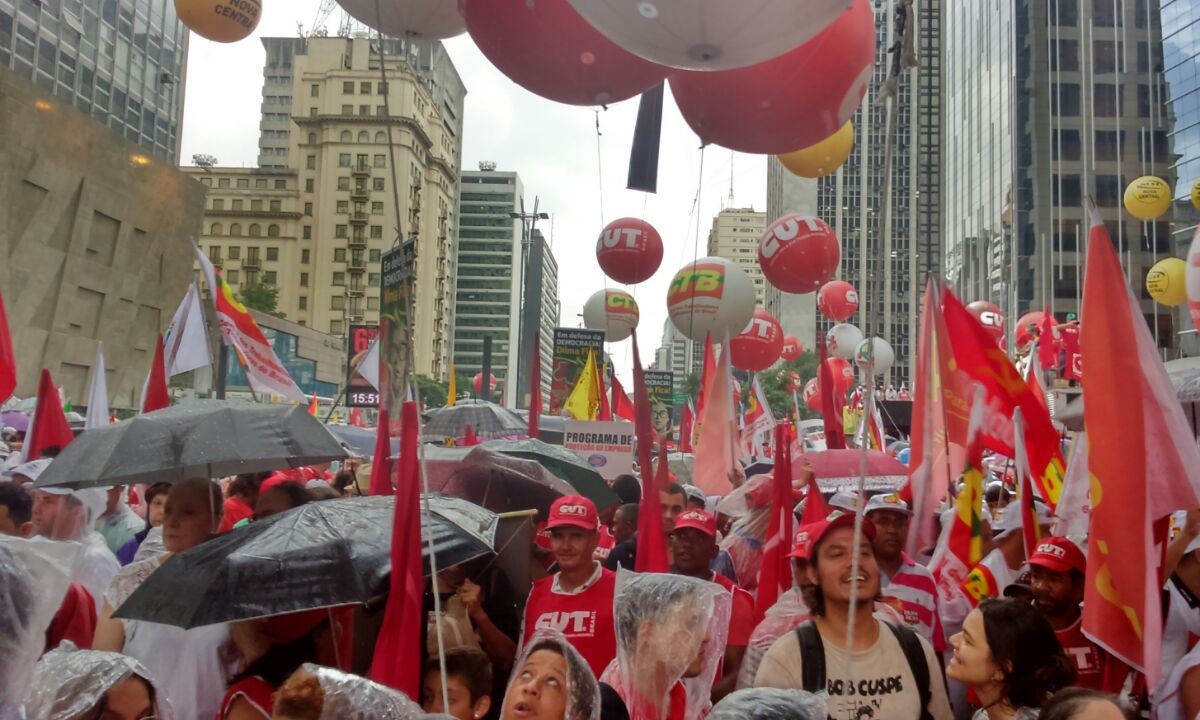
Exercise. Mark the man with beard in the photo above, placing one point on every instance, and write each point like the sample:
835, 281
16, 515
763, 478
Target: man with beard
906, 586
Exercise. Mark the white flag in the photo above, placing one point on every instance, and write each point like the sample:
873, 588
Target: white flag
185, 344
369, 367
97, 403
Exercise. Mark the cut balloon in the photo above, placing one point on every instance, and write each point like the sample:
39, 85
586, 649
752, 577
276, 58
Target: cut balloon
629, 250
759, 345
799, 253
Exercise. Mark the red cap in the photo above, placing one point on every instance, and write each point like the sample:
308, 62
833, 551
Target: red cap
541, 536
1059, 554
800, 541
818, 530
696, 520
573, 511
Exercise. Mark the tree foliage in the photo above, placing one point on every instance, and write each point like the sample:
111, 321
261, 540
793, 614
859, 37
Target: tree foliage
432, 392
777, 384
262, 297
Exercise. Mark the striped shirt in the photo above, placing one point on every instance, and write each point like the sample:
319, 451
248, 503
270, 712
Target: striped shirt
913, 593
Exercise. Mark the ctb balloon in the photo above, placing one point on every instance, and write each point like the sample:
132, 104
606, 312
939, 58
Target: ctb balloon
758, 346
837, 300
224, 22
548, 49
629, 250
429, 19
710, 297
990, 317
843, 340
613, 311
792, 348
798, 253
1148, 197
793, 101
817, 161
1166, 282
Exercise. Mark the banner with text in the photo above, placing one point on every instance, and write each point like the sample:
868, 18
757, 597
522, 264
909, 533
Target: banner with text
395, 330
571, 347
359, 390
606, 446
660, 386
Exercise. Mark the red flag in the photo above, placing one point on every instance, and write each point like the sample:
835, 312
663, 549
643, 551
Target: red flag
706, 374
469, 437
978, 358
831, 406
355, 418
1030, 531
397, 662
1143, 462
605, 412
716, 448
686, 423
48, 427
535, 387
1047, 345
815, 508
8, 358
155, 395
381, 464
964, 541
775, 577
622, 406
312, 405
652, 542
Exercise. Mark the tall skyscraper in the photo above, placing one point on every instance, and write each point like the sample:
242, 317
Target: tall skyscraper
1046, 104
788, 194
123, 63
734, 236
888, 256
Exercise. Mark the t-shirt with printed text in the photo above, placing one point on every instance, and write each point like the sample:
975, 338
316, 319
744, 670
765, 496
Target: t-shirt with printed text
584, 617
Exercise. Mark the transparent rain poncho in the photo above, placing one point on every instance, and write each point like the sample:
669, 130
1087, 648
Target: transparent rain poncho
353, 697
70, 683
671, 629
582, 691
750, 505
770, 704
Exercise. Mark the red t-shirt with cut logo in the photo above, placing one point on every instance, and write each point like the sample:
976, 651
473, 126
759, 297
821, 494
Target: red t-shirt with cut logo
605, 546
584, 618
1094, 667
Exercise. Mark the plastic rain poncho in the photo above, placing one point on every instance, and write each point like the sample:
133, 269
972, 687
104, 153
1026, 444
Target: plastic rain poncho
582, 691
750, 505
69, 683
353, 697
73, 520
668, 627
34, 575
770, 704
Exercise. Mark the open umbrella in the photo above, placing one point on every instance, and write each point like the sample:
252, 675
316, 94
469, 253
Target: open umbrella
359, 441
322, 554
488, 420
18, 421
839, 470
564, 463
206, 438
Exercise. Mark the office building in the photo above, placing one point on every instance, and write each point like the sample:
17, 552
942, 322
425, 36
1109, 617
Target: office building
1181, 68
496, 253
326, 185
122, 63
889, 252
673, 353
1047, 104
786, 194
734, 236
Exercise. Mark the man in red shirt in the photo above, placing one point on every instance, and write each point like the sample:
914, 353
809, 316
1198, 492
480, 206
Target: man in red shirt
694, 546
578, 599
1057, 571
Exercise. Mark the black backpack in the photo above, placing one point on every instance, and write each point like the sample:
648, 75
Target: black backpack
812, 650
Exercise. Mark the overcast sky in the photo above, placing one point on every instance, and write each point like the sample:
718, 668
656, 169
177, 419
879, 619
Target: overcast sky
552, 146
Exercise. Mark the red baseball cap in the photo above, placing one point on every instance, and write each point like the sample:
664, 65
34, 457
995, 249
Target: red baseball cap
573, 511
1059, 554
836, 519
696, 520
800, 542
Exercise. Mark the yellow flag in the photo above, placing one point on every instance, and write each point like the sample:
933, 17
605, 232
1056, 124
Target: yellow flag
452, 390
584, 401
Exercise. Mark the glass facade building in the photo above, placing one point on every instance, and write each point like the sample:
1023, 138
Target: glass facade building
123, 62
1181, 67
303, 370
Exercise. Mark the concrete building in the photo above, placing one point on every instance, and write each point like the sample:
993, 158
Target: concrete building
333, 178
1181, 68
786, 194
734, 236
889, 262
494, 264
1046, 104
94, 244
122, 63
673, 353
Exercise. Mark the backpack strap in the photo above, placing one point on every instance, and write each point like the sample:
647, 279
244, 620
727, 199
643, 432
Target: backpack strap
914, 653
812, 654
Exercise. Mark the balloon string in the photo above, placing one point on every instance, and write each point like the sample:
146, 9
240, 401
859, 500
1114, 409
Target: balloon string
696, 256
599, 169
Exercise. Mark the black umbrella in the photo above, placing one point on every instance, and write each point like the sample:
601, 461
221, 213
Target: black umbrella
566, 464
488, 420
205, 438
322, 554
360, 441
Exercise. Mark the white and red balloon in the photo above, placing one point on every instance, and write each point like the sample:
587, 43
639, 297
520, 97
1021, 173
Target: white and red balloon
477, 383
546, 47
883, 355
613, 311
629, 250
1192, 279
1028, 324
792, 348
843, 340
837, 300
429, 19
812, 395
759, 345
792, 101
843, 375
990, 317
711, 297
798, 253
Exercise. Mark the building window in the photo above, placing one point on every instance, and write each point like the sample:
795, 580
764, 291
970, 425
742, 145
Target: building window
348, 87
1070, 149
306, 233
382, 87
343, 183
218, 204
344, 160
269, 277
1107, 101
1064, 12
281, 184
216, 229
231, 276
273, 252
380, 161
376, 231
1067, 57
364, 88
1065, 190
376, 207
256, 205
376, 183
1105, 56
1068, 95
364, 110
260, 183
314, 90
276, 205
312, 112
308, 185
343, 207
1104, 15
255, 230
372, 279
304, 255
380, 138
1107, 147
236, 231
223, 183
206, 181
243, 183
337, 302
303, 303
312, 137
304, 279
339, 279
364, 136
1108, 190
347, 109
339, 254
345, 136
335, 327
235, 252
308, 208
339, 231
311, 162
373, 255
239, 204
373, 303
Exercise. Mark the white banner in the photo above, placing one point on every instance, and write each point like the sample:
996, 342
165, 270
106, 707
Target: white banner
606, 446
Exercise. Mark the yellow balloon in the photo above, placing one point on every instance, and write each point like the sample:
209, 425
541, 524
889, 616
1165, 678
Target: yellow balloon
823, 158
1196, 194
1147, 197
1167, 283
220, 20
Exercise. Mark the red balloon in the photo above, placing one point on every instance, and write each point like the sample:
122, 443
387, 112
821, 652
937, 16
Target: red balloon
843, 375
477, 383
837, 300
793, 101
1028, 323
812, 395
990, 317
791, 348
759, 345
550, 50
629, 250
799, 253
795, 378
